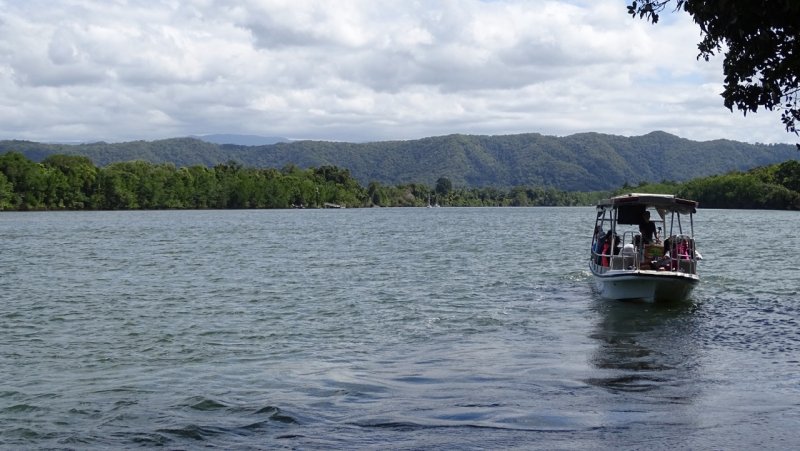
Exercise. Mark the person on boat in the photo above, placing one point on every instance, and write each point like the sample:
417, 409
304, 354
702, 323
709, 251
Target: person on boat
683, 249
648, 229
610, 245
600, 240
604, 258
680, 247
599, 233
678, 251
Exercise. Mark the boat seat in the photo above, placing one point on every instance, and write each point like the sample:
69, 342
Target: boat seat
622, 261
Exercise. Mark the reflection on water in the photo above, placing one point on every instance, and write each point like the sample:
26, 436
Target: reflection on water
647, 373
642, 347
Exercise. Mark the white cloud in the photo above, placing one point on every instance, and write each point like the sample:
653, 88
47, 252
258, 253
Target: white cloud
355, 70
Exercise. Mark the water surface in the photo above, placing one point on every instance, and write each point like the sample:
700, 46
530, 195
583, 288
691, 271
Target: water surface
386, 328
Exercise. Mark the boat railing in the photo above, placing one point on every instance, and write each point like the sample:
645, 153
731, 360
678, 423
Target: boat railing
627, 258
601, 251
622, 261
601, 260
630, 254
625, 254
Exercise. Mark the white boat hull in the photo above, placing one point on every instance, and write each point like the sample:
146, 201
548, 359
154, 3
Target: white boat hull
650, 286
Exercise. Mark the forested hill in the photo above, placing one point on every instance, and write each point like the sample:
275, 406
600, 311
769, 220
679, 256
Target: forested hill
582, 162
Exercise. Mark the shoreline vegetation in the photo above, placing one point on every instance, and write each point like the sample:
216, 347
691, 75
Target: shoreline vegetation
70, 182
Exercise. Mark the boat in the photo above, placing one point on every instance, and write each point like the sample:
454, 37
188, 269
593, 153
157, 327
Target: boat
629, 265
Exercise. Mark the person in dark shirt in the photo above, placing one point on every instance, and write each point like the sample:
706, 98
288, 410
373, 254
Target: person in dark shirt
648, 229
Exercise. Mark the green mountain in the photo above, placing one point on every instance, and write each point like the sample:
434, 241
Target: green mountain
581, 162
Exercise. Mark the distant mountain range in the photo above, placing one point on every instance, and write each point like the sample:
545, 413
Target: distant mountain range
581, 162
242, 140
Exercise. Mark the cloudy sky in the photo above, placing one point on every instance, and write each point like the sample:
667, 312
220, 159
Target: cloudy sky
355, 70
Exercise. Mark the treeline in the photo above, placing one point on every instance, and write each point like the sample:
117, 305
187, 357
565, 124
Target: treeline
71, 182
774, 187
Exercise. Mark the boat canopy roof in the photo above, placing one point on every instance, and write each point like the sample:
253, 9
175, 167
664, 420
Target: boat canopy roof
632, 205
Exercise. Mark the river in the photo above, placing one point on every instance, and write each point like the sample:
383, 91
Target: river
443, 328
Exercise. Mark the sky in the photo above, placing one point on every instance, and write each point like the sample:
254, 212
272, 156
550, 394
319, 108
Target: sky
357, 71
